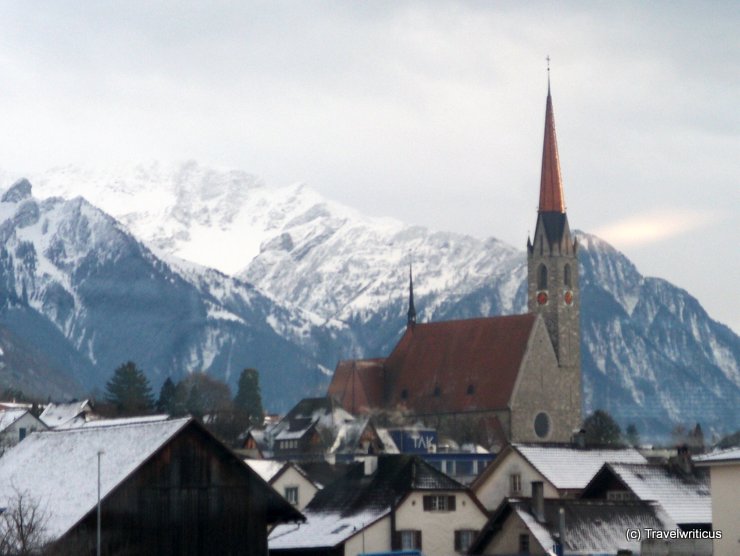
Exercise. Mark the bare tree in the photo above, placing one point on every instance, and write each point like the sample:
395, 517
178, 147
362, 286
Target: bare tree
22, 525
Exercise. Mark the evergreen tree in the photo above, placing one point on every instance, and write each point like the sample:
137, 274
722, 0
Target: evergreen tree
129, 391
166, 401
248, 397
602, 430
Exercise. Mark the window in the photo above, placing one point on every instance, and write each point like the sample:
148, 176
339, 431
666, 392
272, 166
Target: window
437, 391
407, 539
439, 503
404, 394
566, 276
21, 433
291, 494
464, 539
619, 495
542, 277
471, 389
542, 425
524, 543
515, 481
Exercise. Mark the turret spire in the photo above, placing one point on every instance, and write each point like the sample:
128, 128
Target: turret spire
551, 183
412, 310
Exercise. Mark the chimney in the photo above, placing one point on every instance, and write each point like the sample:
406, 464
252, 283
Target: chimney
561, 528
538, 501
371, 464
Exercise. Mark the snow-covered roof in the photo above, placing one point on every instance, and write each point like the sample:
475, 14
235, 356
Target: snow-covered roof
55, 415
265, 468
10, 416
591, 526
720, 456
572, 468
58, 469
389, 445
81, 422
322, 529
685, 499
538, 530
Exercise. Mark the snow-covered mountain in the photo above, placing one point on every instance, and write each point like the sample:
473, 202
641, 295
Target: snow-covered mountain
339, 280
107, 298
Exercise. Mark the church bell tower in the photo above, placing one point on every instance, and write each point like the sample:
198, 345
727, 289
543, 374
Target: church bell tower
552, 262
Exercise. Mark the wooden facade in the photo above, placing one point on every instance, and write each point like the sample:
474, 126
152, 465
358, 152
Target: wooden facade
191, 497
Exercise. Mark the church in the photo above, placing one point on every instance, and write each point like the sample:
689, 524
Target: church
518, 377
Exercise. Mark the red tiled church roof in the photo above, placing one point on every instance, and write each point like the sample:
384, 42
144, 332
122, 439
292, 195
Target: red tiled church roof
461, 365
358, 384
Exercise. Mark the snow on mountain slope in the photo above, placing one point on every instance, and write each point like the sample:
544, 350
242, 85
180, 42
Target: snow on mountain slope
113, 300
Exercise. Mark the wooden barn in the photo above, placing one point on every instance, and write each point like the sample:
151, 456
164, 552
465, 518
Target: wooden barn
167, 488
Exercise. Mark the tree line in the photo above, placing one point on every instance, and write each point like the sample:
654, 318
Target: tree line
129, 392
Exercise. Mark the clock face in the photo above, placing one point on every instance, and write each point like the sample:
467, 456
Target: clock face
568, 297
541, 298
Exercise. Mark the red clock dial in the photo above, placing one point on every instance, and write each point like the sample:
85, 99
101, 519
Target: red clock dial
541, 298
568, 297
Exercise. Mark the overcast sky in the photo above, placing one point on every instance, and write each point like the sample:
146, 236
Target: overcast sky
431, 112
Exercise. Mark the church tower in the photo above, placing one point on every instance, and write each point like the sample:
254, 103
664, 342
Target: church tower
552, 262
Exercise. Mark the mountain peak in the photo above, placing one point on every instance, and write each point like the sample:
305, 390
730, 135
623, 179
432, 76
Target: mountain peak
19, 191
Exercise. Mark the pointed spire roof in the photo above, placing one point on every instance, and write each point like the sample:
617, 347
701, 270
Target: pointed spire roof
551, 182
412, 310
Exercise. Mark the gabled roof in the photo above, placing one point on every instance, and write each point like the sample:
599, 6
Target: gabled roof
266, 468
356, 500
57, 414
564, 466
458, 365
357, 384
396, 476
569, 468
324, 412
686, 499
591, 526
10, 416
58, 469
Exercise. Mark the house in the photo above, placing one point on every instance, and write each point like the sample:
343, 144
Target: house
166, 488
319, 427
584, 527
287, 478
685, 498
386, 502
15, 424
511, 378
68, 414
564, 470
724, 476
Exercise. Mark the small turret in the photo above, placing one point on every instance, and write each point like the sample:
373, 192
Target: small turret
411, 321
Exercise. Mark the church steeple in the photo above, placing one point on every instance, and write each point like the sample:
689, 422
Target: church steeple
553, 290
551, 182
412, 310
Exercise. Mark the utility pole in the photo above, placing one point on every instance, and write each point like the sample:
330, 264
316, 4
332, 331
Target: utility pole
100, 453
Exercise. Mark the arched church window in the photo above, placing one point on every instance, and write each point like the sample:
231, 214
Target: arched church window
542, 425
566, 276
542, 277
